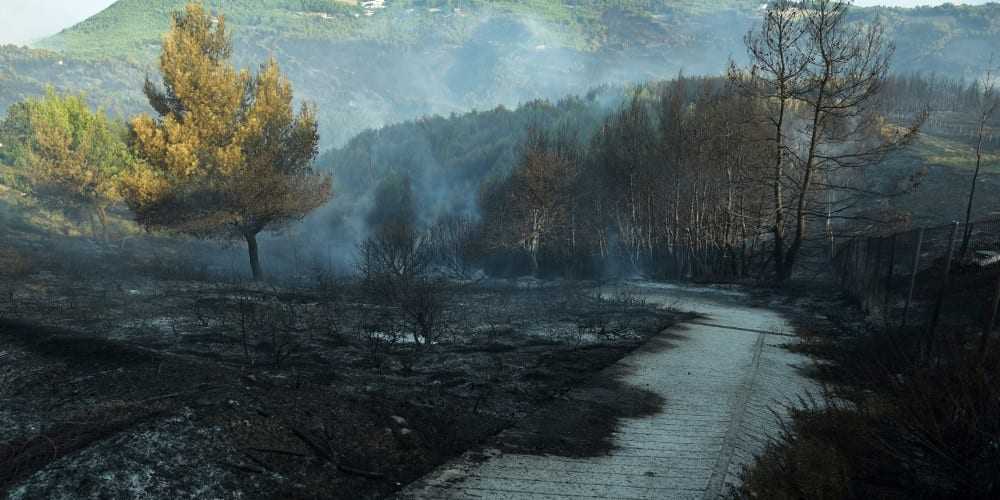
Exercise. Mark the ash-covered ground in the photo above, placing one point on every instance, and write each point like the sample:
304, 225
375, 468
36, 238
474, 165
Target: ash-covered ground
143, 387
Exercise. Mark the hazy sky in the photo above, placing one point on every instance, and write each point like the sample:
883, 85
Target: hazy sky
24, 20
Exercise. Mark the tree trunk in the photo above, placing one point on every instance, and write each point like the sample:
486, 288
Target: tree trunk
779, 195
966, 232
803, 195
258, 274
102, 217
93, 226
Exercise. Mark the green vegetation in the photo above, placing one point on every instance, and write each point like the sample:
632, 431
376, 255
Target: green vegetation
228, 156
952, 152
420, 57
66, 154
953, 40
131, 27
28, 72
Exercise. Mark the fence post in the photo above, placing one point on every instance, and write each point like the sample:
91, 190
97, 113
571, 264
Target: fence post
875, 282
966, 240
913, 276
990, 321
944, 284
888, 280
866, 277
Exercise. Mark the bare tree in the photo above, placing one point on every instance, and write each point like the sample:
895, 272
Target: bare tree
989, 102
822, 76
532, 209
778, 75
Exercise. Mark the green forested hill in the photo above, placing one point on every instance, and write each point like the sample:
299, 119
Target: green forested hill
132, 27
370, 67
950, 40
110, 84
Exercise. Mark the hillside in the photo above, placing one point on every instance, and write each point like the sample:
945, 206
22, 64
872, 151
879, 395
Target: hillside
952, 40
413, 58
367, 67
131, 27
111, 84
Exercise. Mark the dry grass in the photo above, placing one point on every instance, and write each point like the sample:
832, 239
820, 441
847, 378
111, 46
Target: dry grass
902, 423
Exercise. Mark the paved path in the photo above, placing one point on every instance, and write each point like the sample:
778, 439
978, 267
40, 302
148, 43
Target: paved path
720, 381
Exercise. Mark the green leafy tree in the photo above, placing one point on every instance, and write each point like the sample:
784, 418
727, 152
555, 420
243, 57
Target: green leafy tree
228, 156
69, 156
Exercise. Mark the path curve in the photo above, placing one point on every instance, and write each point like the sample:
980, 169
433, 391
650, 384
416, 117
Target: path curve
721, 379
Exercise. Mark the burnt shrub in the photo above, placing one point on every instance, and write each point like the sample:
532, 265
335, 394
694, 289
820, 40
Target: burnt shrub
395, 268
906, 424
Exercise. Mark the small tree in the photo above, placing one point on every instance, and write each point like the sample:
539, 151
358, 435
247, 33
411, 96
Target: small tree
228, 155
988, 104
777, 75
532, 208
395, 261
816, 69
70, 156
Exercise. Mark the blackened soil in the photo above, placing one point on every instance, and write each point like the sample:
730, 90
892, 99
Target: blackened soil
179, 389
582, 422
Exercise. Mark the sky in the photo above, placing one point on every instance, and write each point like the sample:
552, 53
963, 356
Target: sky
22, 21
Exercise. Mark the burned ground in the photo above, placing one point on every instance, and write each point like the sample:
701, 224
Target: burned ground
177, 388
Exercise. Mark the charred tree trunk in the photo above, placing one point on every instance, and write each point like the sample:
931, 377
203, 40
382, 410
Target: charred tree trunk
254, 252
102, 217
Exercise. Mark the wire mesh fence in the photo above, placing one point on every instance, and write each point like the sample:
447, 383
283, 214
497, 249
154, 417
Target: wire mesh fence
945, 276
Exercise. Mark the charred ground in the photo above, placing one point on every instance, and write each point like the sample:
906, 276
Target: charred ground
183, 387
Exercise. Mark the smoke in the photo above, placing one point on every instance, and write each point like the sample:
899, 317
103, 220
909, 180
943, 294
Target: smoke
504, 60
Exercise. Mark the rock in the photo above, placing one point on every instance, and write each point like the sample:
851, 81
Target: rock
406, 438
451, 475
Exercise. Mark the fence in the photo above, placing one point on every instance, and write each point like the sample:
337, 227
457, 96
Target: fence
947, 276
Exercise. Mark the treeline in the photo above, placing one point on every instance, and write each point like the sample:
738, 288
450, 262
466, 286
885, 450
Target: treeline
661, 187
726, 177
448, 158
953, 105
660, 183
670, 178
709, 177
914, 93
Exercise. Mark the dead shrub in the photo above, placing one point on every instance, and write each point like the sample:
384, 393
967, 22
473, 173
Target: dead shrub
454, 242
15, 264
267, 324
909, 426
14, 267
395, 272
378, 338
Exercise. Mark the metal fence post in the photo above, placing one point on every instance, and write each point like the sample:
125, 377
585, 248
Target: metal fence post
913, 276
991, 320
944, 284
966, 240
888, 280
866, 276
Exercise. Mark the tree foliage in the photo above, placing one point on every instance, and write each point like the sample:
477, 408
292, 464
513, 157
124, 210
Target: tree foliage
533, 206
228, 156
68, 155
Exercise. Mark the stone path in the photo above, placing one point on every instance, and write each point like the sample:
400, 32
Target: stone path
720, 379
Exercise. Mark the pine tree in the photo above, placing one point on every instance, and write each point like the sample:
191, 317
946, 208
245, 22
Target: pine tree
228, 156
68, 155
